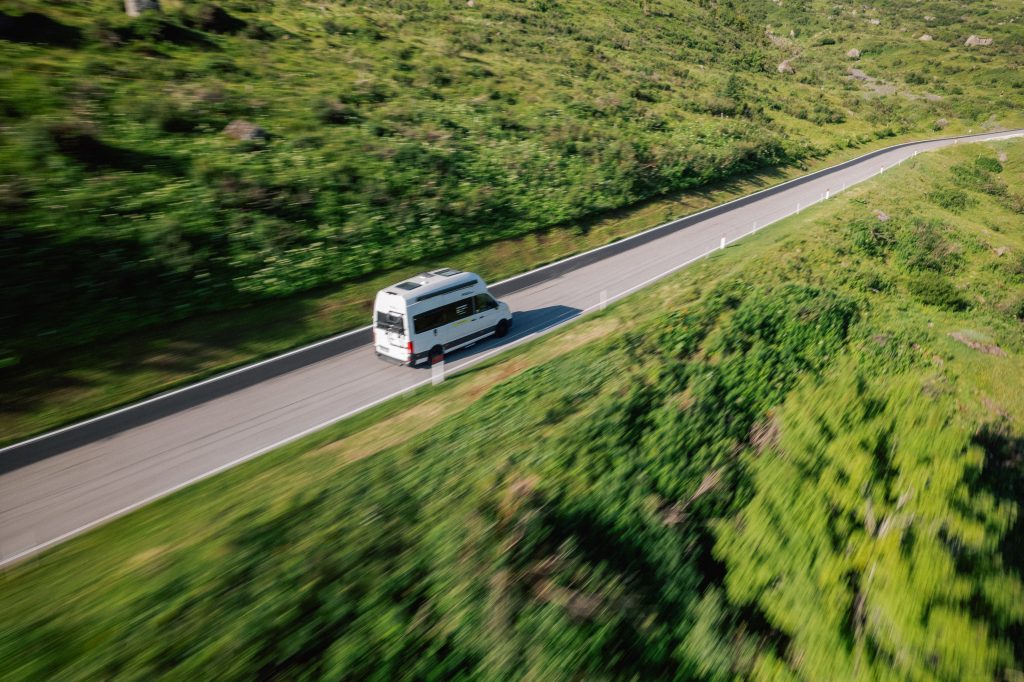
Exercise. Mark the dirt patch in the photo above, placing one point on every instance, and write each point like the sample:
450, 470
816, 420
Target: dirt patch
994, 409
765, 434
675, 514
146, 557
241, 129
871, 83
981, 347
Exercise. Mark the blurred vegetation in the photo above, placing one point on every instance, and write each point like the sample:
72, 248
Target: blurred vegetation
777, 464
401, 131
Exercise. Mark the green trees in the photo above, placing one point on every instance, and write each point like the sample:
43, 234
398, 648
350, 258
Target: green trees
866, 545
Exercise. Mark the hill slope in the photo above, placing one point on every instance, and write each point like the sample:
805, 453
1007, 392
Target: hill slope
797, 458
403, 131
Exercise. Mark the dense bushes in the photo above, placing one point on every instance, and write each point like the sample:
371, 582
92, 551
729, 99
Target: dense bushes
385, 149
420, 157
867, 545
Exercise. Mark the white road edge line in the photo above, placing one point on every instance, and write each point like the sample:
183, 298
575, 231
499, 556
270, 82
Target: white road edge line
168, 394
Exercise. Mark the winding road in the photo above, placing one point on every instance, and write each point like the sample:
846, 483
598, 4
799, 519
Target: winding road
62, 483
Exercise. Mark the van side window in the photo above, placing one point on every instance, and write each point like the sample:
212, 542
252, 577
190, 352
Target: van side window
484, 302
431, 319
453, 312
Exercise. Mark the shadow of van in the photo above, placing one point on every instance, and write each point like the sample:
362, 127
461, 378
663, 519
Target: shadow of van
524, 323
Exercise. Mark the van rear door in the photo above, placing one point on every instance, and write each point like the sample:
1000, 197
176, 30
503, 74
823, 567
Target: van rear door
392, 324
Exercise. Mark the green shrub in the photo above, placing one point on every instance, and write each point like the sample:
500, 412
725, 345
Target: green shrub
988, 164
951, 199
932, 288
921, 245
871, 236
977, 177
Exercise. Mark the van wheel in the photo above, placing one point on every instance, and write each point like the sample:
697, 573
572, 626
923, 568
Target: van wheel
501, 329
436, 354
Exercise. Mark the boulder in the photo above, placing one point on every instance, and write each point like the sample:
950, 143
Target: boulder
134, 8
853, 53
241, 129
881, 215
785, 67
875, 22
974, 41
925, 37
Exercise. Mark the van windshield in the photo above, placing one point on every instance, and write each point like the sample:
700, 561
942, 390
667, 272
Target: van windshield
391, 322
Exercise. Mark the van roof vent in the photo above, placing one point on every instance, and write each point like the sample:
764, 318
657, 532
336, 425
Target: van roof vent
407, 286
447, 272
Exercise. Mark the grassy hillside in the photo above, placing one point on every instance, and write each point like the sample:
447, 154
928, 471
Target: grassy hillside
797, 459
398, 132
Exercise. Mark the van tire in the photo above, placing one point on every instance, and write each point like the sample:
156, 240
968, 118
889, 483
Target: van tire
436, 351
501, 329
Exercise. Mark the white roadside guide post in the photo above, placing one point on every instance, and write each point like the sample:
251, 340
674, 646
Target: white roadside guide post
604, 298
436, 371
723, 243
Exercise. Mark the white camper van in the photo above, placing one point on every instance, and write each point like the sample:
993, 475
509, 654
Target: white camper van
434, 313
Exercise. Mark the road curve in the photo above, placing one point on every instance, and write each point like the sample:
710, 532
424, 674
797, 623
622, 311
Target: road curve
62, 483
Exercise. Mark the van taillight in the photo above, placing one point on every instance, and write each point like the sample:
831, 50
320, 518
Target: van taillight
410, 350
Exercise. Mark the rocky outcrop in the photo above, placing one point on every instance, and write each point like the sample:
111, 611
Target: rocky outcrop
785, 67
977, 41
241, 129
853, 53
134, 8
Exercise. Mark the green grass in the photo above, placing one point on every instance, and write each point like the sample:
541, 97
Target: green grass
401, 133
776, 462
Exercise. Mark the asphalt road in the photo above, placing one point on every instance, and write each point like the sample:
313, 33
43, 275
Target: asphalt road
65, 482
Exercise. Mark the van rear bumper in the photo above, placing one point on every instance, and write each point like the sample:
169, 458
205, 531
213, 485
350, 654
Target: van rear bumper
417, 359
390, 360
